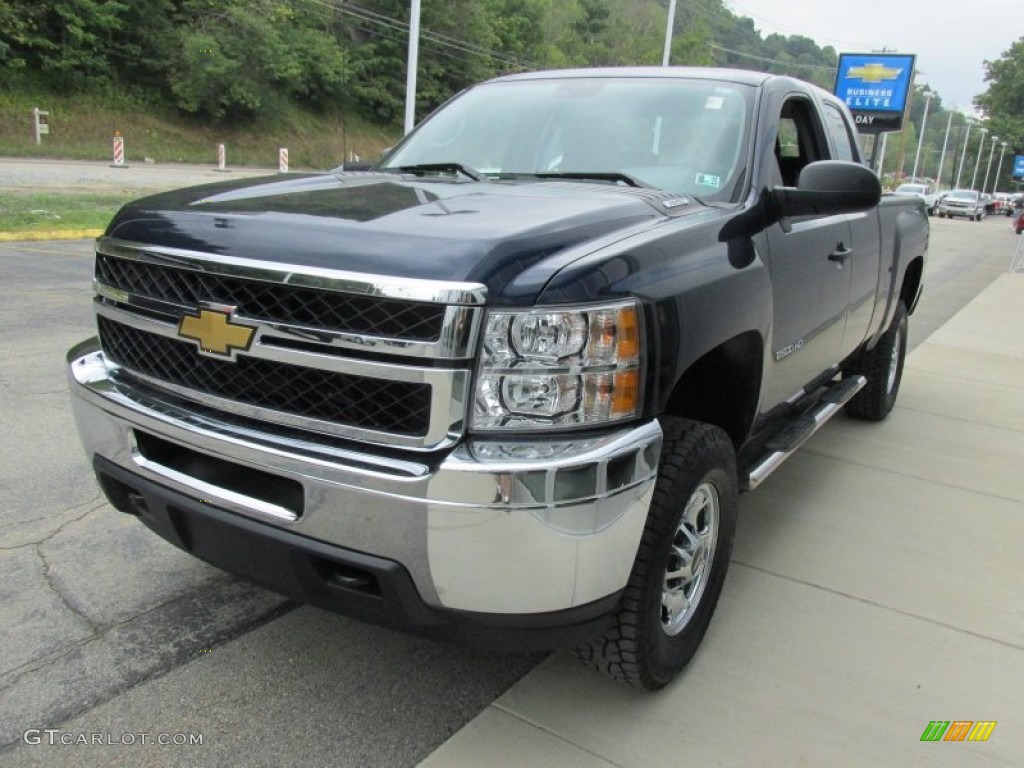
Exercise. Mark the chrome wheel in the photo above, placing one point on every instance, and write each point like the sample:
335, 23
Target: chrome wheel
690, 559
894, 364
681, 561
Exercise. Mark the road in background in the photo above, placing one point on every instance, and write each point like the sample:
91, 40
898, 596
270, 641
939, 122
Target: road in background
105, 628
66, 176
965, 257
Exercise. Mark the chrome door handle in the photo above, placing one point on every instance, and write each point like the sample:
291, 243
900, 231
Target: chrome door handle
840, 254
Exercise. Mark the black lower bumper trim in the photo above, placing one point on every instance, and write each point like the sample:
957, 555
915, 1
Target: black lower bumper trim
366, 587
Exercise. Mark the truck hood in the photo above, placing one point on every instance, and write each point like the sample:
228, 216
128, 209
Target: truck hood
386, 224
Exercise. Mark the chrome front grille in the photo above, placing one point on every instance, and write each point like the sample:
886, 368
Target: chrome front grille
391, 406
275, 302
339, 354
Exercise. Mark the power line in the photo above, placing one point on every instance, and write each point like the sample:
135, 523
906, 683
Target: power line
780, 62
717, 22
371, 17
393, 37
367, 16
793, 30
425, 34
438, 35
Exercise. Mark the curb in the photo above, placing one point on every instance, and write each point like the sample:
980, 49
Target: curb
50, 234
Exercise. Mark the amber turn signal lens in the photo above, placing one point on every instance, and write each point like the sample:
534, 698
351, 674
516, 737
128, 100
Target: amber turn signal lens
625, 393
627, 335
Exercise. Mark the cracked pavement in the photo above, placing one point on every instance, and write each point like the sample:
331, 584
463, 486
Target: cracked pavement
91, 602
106, 627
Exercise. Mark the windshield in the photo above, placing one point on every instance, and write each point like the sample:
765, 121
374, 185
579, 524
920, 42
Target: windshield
685, 136
962, 194
912, 189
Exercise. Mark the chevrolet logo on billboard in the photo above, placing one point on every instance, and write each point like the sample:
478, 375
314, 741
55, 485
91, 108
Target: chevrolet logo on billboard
875, 86
215, 334
874, 72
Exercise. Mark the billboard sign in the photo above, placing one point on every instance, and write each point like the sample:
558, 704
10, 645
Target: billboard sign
875, 86
1018, 166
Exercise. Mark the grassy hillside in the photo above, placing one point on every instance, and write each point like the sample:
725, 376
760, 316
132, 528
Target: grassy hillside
82, 126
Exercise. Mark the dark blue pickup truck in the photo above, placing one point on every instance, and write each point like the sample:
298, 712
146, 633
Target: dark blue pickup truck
505, 386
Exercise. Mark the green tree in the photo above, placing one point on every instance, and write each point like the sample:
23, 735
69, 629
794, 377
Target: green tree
233, 58
65, 40
145, 43
1003, 101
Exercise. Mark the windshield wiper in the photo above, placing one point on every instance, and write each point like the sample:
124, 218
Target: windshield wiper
465, 170
625, 178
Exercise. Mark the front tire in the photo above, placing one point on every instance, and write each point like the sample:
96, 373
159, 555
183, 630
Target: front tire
883, 367
681, 562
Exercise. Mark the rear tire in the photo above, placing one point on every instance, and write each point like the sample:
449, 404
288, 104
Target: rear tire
883, 368
681, 562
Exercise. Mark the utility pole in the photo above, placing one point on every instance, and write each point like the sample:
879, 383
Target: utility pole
903, 132
878, 154
963, 156
920, 138
1002, 151
942, 157
988, 167
974, 178
668, 32
411, 66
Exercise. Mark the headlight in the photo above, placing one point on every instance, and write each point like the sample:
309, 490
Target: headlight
558, 368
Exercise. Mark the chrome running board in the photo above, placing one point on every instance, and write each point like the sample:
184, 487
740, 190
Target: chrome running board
785, 443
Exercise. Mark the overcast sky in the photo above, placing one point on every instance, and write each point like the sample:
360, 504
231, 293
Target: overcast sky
951, 39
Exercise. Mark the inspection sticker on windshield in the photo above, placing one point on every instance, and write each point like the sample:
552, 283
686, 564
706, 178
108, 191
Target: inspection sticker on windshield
714, 102
707, 180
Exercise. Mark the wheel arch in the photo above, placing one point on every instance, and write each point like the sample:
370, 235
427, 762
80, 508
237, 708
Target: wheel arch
722, 387
910, 289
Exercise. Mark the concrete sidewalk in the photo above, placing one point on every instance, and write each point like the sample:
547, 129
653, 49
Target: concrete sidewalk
877, 584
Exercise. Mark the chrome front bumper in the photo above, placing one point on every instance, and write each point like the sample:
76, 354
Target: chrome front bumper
496, 527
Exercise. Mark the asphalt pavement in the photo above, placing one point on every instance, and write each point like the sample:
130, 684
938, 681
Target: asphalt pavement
24, 175
874, 589
855, 573
94, 608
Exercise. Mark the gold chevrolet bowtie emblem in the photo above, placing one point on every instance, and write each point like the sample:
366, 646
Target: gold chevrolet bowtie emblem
215, 333
875, 72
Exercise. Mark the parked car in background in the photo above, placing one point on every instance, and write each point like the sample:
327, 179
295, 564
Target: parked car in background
1004, 201
924, 191
1016, 207
962, 202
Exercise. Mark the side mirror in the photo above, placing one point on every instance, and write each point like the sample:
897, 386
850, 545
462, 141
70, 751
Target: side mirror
829, 187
